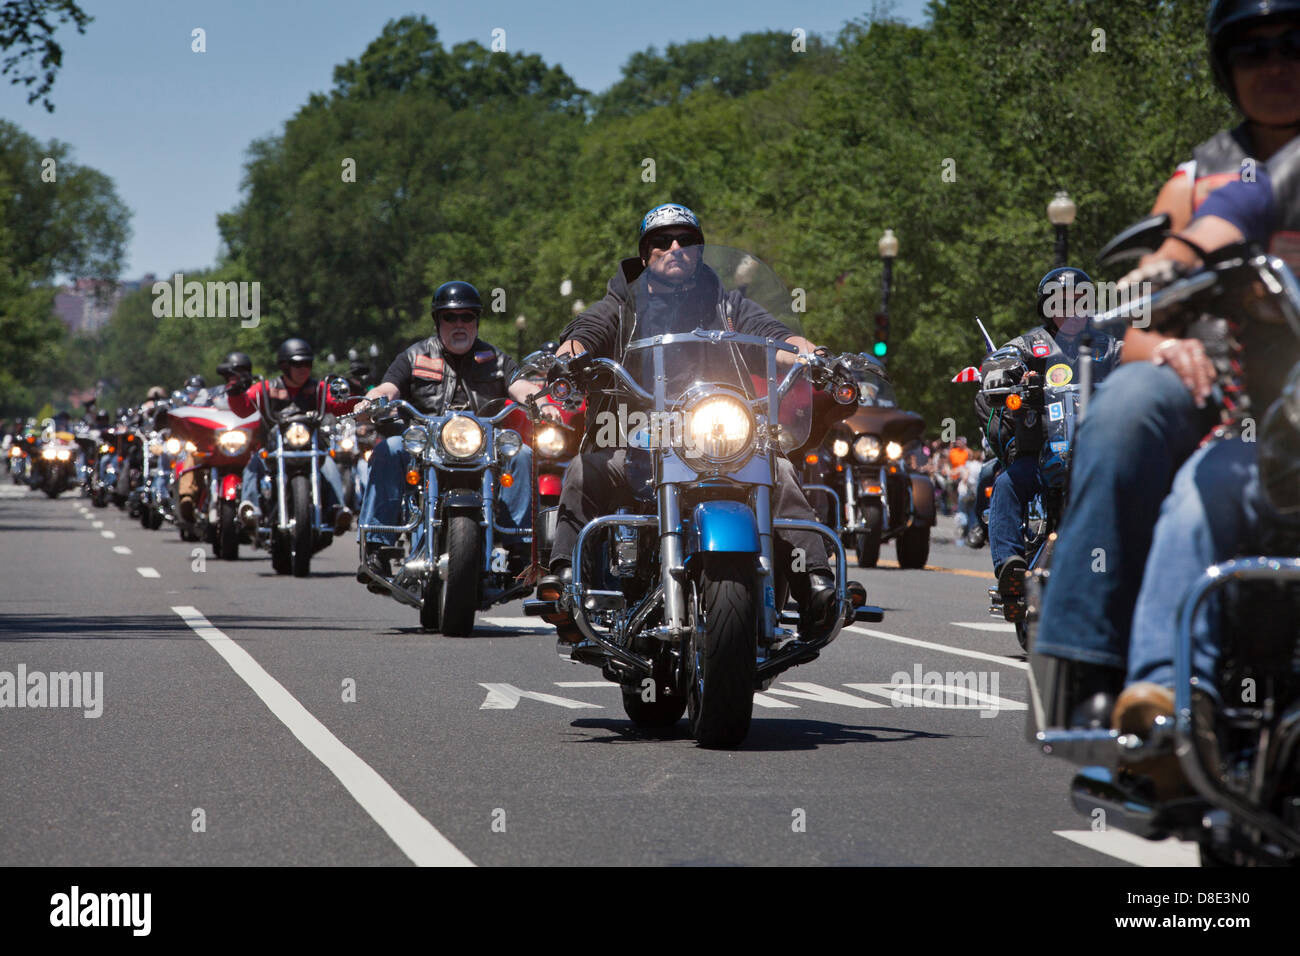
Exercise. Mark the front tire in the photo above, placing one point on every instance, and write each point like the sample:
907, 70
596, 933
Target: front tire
302, 538
914, 546
720, 698
459, 597
227, 532
867, 543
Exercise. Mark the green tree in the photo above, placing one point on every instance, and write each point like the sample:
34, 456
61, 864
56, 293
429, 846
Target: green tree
27, 27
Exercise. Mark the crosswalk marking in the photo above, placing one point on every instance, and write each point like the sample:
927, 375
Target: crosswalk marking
959, 651
804, 690
1133, 849
773, 703
944, 697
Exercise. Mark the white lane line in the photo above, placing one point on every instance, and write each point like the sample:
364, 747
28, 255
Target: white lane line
803, 690
121, 549
530, 624
959, 651
1133, 849
108, 534
414, 835
1002, 626
97, 524
147, 572
584, 683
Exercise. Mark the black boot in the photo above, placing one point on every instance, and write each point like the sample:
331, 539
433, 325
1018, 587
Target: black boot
376, 562
550, 588
815, 595
1011, 585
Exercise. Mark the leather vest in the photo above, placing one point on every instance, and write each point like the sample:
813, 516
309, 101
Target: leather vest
275, 403
436, 375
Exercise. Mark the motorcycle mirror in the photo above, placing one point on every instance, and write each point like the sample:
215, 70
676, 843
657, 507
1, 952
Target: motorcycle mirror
1137, 240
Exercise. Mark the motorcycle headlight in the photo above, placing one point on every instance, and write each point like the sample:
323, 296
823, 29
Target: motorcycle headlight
549, 441
866, 448
461, 437
48, 454
346, 444
173, 446
894, 451
15, 452
63, 454
720, 428
414, 439
297, 435
105, 449
840, 447
508, 443
232, 442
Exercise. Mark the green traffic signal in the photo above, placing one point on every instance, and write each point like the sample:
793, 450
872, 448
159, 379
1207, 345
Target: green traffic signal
879, 349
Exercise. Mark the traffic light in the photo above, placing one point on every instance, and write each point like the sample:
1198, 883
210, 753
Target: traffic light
881, 348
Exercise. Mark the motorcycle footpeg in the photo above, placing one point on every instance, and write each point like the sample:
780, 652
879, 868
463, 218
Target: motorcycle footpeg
868, 614
540, 608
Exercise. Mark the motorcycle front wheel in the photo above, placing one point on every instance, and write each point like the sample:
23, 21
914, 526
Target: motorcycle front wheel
227, 532
720, 662
302, 538
459, 593
867, 543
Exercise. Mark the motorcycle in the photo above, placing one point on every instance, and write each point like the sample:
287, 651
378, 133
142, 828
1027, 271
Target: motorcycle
884, 499
1240, 760
58, 465
218, 444
679, 598
292, 528
452, 565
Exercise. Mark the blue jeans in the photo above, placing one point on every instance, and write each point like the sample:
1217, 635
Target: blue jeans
384, 487
1012, 490
1215, 511
331, 488
1142, 425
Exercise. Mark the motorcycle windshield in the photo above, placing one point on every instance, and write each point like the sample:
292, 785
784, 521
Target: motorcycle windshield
703, 297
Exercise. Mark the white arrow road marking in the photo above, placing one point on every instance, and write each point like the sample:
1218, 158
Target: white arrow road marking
959, 651
1000, 626
1133, 849
764, 701
121, 549
108, 534
147, 572
414, 835
949, 696
526, 625
507, 697
825, 695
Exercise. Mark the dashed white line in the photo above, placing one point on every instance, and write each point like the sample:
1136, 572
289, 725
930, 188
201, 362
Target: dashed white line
414, 835
147, 572
585, 683
1133, 849
108, 534
97, 524
121, 549
959, 651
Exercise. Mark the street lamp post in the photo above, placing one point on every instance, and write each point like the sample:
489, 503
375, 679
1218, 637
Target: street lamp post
521, 323
1060, 213
888, 247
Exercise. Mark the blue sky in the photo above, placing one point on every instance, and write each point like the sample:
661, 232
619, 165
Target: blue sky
170, 126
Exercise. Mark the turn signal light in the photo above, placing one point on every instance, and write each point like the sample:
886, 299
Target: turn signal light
507, 481
263, 454
988, 492
1013, 402
412, 478
873, 489
811, 459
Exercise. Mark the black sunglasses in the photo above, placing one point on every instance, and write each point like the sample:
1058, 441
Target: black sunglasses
1254, 53
299, 363
464, 318
683, 239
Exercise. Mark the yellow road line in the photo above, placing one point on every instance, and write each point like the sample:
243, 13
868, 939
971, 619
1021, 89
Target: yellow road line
962, 571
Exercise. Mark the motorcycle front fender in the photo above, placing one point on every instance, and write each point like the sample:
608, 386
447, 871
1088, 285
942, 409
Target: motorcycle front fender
722, 527
922, 499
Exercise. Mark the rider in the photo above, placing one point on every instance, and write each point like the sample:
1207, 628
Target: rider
1217, 508
235, 366
1152, 413
292, 392
683, 294
1064, 295
451, 369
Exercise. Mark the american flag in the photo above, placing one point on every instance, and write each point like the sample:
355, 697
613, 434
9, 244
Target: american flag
969, 374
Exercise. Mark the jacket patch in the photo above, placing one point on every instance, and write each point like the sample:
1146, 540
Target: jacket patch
1040, 349
484, 356
427, 367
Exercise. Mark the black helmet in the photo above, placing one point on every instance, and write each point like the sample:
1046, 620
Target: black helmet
456, 295
1057, 281
293, 350
235, 362
1226, 19
195, 381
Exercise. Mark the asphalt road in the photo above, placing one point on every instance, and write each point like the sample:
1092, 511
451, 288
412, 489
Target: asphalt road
248, 718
